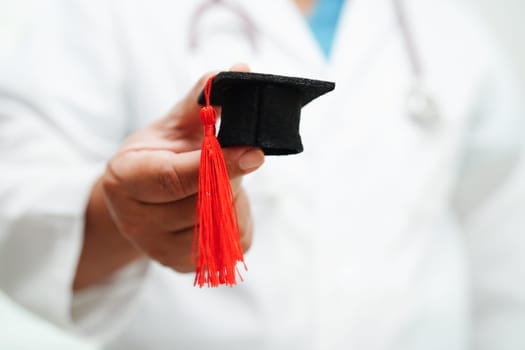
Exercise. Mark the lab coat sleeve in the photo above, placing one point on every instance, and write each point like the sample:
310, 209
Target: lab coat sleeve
61, 118
491, 203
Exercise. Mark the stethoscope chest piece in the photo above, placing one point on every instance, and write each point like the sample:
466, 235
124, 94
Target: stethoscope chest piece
421, 107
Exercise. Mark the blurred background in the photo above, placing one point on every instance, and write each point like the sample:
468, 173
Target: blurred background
19, 330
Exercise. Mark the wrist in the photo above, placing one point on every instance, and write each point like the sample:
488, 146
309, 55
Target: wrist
104, 249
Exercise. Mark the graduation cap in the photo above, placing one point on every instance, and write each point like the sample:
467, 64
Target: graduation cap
263, 110
260, 110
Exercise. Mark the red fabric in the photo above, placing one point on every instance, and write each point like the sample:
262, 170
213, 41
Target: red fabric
217, 236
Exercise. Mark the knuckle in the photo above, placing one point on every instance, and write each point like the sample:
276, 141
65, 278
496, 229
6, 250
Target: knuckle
160, 255
179, 262
110, 183
131, 229
171, 181
183, 267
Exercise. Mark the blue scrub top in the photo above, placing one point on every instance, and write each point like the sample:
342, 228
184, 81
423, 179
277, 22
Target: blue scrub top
323, 21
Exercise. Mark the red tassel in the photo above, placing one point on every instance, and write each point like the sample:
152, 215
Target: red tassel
216, 237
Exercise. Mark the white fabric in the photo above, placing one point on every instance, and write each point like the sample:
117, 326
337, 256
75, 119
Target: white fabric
381, 235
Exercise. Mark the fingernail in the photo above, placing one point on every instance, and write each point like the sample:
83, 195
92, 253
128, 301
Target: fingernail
251, 159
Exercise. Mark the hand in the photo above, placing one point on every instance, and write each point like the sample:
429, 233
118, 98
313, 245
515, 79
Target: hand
149, 190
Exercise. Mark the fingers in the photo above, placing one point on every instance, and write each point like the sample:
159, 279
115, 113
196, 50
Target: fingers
174, 252
137, 217
184, 116
153, 176
158, 176
166, 217
173, 249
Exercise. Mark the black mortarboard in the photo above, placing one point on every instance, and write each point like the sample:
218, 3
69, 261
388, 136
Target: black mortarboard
263, 110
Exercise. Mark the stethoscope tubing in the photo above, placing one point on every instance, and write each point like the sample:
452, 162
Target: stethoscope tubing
420, 105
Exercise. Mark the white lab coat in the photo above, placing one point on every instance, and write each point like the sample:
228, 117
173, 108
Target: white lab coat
381, 235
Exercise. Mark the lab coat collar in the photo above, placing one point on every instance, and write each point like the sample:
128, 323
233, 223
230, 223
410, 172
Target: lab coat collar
365, 27
364, 24
281, 22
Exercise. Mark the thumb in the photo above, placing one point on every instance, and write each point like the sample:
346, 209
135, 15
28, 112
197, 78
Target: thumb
186, 113
242, 160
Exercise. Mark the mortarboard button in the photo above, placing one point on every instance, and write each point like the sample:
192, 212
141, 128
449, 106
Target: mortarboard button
263, 110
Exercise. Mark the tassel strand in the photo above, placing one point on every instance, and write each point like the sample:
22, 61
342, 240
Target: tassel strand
217, 237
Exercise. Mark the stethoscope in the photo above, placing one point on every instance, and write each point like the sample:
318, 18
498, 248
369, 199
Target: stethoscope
420, 105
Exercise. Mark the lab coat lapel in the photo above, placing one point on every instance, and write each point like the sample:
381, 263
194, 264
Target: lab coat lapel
365, 27
281, 22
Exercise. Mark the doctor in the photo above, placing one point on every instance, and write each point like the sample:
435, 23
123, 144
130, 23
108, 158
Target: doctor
399, 227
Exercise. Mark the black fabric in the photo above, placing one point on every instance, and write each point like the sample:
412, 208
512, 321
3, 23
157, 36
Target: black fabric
263, 110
